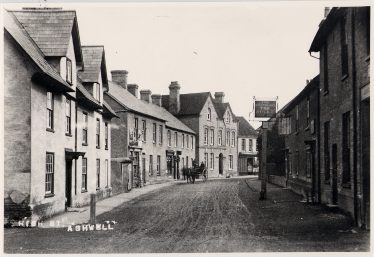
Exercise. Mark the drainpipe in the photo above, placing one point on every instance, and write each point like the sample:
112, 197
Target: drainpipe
354, 107
75, 147
318, 122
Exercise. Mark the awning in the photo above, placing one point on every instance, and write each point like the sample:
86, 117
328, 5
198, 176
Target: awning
70, 154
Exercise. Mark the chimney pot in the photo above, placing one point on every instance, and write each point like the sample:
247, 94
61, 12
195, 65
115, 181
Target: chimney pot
133, 89
327, 10
120, 77
145, 95
174, 98
157, 99
219, 96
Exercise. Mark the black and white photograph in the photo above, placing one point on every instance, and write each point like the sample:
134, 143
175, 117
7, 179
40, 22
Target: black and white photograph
196, 127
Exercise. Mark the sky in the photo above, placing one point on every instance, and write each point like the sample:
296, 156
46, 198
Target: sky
245, 50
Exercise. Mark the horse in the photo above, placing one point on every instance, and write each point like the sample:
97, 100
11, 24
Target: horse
190, 175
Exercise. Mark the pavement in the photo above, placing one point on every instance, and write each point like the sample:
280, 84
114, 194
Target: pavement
82, 215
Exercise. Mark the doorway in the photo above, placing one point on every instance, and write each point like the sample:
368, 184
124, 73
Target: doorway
143, 170
68, 183
334, 174
250, 165
365, 148
220, 164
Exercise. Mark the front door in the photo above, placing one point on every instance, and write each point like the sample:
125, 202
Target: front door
250, 165
365, 135
334, 174
68, 183
220, 164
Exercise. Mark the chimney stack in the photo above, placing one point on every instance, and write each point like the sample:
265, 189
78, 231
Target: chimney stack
327, 10
219, 97
120, 77
307, 81
156, 99
174, 98
145, 95
133, 89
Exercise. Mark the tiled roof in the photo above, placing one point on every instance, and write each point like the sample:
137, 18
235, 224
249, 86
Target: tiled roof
190, 104
108, 110
129, 101
19, 34
83, 96
245, 129
51, 29
94, 62
220, 108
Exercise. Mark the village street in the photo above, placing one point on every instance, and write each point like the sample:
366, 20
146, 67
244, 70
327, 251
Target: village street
222, 215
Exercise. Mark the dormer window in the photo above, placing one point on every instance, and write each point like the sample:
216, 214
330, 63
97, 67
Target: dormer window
97, 91
209, 115
228, 118
69, 71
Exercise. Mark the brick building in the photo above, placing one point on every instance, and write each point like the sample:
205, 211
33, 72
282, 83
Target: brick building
148, 143
247, 148
343, 41
301, 142
42, 94
215, 126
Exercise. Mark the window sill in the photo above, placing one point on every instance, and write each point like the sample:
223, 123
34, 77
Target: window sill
84, 144
344, 77
84, 191
50, 130
49, 195
106, 148
98, 189
68, 134
97, 147
326, 92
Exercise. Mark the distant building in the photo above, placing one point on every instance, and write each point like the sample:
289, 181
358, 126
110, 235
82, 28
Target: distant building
214, 123
247, 148
343, 43
44, 166
148, 143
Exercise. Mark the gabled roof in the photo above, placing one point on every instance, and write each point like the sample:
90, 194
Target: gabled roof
312, 85
221, 109
131, 103
190, 104
325, 27
47, 73
245, 129
94, 64
51, 29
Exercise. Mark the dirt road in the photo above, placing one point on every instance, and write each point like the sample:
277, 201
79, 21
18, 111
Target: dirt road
216, 216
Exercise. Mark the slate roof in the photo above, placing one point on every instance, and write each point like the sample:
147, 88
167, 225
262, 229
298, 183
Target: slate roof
190, 104
245, 129
84, 97
129, 101
51, 29
94, 64
108, 111
19, 34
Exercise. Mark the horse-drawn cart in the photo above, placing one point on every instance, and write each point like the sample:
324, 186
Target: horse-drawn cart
196, 173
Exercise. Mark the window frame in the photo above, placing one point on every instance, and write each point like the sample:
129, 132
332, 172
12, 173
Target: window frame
158, 165
233, 138
84, 175
69, 71
160, 135
50, 111
211, 161
209, 114
98, 133
144, 125
85, 129
98, 174
49, 174
205, 136
211, 137
68, 117
175, 139
231, 162
169, 137
106, 136
154, 133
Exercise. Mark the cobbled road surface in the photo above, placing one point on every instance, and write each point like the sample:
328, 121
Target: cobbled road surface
217, 216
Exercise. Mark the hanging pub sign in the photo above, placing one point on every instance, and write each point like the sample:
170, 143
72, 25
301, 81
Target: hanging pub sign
265, 109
